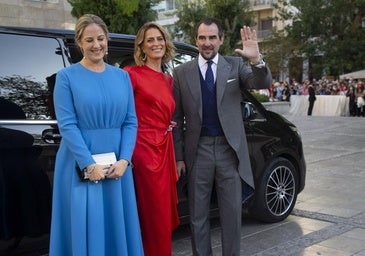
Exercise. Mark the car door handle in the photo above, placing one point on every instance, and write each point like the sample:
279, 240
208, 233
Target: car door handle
51, 136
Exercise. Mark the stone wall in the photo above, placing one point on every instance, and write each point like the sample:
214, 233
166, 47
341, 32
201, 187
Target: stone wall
37, 13
280, 107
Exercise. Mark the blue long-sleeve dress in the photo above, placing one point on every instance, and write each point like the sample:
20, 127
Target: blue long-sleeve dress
96, 114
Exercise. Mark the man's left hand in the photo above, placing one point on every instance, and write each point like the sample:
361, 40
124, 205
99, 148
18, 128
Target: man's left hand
250, 47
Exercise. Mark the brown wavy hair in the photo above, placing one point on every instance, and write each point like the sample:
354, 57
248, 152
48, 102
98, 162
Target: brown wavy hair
140, 56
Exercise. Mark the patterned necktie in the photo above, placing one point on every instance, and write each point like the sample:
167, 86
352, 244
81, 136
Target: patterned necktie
209, 77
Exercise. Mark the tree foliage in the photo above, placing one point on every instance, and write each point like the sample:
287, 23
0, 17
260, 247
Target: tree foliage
232, 13
328, 33
121, 16
279, 49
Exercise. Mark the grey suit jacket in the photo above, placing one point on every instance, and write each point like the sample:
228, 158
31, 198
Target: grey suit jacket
232, 74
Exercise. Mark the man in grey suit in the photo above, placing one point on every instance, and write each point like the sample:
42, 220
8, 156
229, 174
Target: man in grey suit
210, 140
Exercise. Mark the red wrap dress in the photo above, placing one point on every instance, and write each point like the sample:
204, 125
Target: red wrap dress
154, 159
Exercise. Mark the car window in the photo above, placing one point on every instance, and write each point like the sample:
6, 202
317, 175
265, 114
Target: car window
179, 59
120, 57
28, 76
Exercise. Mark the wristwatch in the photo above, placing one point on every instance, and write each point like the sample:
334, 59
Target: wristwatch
261, 63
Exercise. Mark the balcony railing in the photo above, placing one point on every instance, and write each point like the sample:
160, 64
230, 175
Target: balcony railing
264, 33
262, 2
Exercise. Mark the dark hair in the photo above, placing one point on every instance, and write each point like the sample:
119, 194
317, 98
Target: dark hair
210, 21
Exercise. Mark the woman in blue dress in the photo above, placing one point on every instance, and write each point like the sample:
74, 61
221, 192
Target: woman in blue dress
95, 111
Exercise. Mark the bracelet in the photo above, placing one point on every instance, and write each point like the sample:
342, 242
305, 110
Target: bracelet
128, 163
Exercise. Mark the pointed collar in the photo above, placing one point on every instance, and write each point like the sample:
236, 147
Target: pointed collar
203, 61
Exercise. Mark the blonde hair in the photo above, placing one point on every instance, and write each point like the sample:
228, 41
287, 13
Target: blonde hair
140, 56
84, 21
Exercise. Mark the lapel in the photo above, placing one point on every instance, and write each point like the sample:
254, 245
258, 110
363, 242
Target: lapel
223, 72
192, 75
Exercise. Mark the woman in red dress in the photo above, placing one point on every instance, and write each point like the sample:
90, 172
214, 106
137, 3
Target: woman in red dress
154, 158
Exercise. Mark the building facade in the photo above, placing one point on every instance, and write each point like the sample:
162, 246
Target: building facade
37, 13
57, 14
263, 10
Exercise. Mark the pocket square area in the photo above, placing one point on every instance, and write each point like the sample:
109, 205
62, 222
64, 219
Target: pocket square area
231, 80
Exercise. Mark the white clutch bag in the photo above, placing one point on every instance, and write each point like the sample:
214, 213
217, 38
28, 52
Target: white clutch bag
102, 159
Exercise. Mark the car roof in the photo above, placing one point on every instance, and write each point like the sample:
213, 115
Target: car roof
65, 33
68, 35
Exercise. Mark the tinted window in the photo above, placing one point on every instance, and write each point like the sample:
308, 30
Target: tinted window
27, 78
180, 58
120, 56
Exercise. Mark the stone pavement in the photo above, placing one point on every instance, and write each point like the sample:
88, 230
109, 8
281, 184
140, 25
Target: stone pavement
329, 217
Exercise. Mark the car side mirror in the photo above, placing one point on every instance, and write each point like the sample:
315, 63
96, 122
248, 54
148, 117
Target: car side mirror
248, 111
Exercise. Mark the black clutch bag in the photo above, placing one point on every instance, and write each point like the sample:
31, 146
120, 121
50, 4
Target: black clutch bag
81, 174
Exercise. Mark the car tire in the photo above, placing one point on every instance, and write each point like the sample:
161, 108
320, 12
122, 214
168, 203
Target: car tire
276, 193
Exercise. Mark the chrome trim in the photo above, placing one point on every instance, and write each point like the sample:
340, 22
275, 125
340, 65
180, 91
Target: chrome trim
28, 122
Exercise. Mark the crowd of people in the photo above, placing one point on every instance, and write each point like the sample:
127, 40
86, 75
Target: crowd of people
126, 203
352, 88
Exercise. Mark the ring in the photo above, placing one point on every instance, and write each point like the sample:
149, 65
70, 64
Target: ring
96, 182
116, 178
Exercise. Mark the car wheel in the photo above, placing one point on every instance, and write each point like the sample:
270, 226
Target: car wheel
276, 192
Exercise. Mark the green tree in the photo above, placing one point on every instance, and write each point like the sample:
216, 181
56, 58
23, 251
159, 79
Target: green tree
328, 33
278, 50
121, 16
232, 13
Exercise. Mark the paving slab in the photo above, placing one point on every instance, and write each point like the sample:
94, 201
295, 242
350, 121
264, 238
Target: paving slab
329, 217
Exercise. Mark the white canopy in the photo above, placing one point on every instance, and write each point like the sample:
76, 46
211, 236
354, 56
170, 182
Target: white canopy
354, 75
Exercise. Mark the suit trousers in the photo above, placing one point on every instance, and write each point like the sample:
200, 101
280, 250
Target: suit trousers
310, 107
215, 164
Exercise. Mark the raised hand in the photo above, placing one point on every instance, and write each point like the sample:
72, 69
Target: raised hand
250, 47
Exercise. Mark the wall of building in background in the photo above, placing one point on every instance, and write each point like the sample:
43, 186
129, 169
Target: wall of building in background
263, 10
57, 14
37, 13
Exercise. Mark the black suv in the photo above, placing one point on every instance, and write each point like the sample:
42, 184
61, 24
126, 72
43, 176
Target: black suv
29, 138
